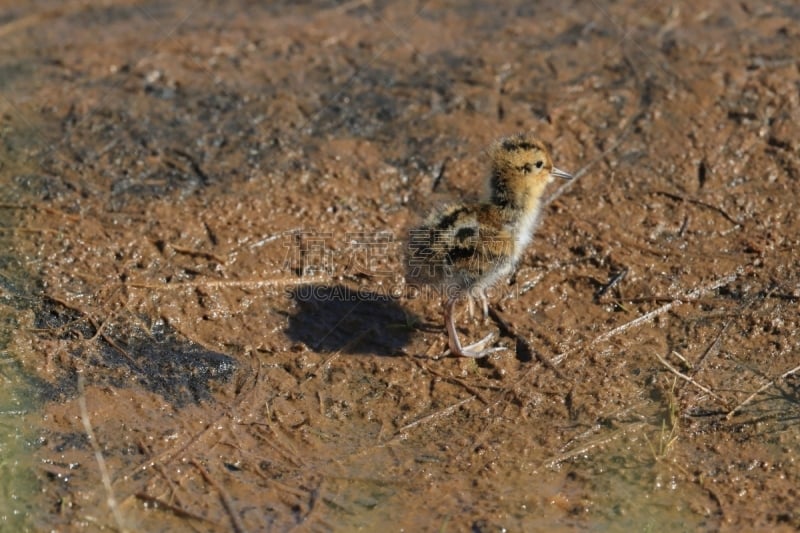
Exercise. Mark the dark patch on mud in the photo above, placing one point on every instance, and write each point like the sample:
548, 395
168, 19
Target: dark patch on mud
339, 317
125, 355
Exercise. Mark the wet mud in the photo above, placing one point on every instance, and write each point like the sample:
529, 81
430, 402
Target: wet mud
204, 212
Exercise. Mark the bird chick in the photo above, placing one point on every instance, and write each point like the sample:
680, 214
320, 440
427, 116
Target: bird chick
465, 248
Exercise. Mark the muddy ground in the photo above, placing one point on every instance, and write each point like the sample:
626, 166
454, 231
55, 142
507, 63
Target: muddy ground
204, 206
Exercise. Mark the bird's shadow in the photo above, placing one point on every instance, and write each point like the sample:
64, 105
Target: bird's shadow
332, 318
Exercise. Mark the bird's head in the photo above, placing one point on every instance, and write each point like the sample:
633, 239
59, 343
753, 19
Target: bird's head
521, 164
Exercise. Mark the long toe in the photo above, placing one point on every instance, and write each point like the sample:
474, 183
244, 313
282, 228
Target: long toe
476, 351
479, 354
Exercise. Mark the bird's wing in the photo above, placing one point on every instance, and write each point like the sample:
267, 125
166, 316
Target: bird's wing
460, 243
483, 247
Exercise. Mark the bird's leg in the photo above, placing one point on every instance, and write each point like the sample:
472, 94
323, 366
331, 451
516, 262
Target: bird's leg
480, 296
471, 306
484, 305
474, 350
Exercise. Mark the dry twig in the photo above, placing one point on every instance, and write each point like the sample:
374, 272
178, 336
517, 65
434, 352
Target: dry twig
227, 502
691, 380
759, 391
252, 284
176, 510
691, 295
433, 416
111, 500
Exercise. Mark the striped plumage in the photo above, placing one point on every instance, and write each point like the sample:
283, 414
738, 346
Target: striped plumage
463, 249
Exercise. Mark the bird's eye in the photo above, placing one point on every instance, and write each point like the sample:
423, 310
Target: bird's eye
539, 164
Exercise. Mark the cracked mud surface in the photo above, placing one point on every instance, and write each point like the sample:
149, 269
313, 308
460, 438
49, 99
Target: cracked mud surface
203, 213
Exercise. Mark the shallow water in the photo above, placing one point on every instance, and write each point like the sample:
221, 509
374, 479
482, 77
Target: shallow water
19, 413
17, 436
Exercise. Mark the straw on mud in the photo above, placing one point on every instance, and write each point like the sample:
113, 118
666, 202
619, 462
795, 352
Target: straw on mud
451, 379
294, 491
597, 442
713, 348
511, 331
602, 419
252, 283
174, 451
159, 469
98, 328
176, 510
274, 237
690, 379
352, 343
111, 500
198, 253
42, 208
700, 203
691, 295
433, 416
759, 391
224, 497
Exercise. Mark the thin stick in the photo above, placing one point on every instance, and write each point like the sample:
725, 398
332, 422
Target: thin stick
690, 379
176, 510
452, 379
111, 500
694, 294
511, 331
714, 346
98, 328
27, 230
170, 454
762, 389
347, 6
254, 283
236, 522
50, 210
438, 414
352, 343
701, 203
595, 443
274, 237
198, 253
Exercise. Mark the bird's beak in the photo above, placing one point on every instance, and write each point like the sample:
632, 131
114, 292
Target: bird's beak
558, 173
